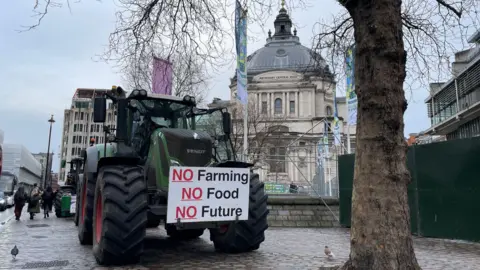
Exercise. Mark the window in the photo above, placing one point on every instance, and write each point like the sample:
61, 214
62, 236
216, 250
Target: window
292, 106
282, 28
264, 107
81, 116
74, 127
278, 105
76, 115
329, 111
91, 128
276, 159
73, 151
301, 143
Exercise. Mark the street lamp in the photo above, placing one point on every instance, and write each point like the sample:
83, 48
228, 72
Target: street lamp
51, 121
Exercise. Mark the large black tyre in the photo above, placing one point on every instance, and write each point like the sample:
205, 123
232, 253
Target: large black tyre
85, 208
57, 204
77, 204
183, 234
58, 199
245, 236
120, 215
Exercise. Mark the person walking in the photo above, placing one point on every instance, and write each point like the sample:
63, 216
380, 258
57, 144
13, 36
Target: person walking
34, 202
47, 198
19, 198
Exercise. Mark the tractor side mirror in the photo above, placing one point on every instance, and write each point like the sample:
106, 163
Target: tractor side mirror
99, 109
227, 123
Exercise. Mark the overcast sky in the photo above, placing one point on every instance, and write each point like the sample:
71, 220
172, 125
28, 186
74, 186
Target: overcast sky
40, 69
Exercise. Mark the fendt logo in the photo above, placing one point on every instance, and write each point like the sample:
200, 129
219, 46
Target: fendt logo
195, 136
195, 151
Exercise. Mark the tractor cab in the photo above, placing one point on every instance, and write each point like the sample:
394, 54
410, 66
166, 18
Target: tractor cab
204, 133
76, 168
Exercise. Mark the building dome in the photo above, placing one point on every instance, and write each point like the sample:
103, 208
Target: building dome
283, 51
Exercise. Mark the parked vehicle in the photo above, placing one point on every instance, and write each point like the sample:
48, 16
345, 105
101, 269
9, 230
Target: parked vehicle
125, 182
8, 183
3, 202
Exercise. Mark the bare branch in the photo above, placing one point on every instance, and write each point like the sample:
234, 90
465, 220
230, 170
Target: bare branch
431, 31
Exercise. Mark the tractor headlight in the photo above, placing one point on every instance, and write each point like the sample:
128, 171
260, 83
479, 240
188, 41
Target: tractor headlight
2, 201
188, 98
138, 93
175, 163
142, 93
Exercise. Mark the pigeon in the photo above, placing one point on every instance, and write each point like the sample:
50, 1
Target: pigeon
14, 252
329, 253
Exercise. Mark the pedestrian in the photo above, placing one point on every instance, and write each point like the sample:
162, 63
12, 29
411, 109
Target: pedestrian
19, 198
47, 198
34, 202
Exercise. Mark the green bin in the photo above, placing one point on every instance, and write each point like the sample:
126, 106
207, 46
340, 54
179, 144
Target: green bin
68, 205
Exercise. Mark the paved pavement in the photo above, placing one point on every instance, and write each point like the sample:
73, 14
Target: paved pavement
6, 215
292, 248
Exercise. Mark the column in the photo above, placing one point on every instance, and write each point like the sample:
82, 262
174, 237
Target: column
285, 103
272, 104
314, 109
297, 103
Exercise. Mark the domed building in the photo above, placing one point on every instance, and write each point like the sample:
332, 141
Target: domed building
290, 89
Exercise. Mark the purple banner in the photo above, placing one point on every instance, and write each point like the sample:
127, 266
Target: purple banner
162, 76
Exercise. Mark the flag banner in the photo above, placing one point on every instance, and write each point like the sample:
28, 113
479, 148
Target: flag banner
325, 139
351, 96
336, 122
241, 46
162, 76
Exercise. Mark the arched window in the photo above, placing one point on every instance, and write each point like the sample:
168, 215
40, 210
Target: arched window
329, 111
278, 105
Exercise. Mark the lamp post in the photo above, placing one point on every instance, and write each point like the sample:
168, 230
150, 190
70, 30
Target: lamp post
51, 121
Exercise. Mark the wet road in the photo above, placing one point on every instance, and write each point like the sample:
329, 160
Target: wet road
53, 244
6, 216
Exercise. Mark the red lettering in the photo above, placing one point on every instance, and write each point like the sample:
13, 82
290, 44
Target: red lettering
186, 212
189, 193
182, 175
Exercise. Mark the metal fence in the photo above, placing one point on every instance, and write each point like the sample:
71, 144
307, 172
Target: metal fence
298, 170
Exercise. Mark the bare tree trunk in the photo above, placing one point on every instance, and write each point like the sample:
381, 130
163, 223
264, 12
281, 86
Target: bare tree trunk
380, 232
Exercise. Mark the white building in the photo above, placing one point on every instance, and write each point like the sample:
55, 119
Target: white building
290, 90
79, 128
19, 161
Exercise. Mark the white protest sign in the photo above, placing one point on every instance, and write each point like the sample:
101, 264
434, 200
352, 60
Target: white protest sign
73, 204
201, 194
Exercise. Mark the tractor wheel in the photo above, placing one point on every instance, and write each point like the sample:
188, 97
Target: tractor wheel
153, 223
183, 234
85, 200
58, 200
58, 203
120, 215
246, 235
77, 203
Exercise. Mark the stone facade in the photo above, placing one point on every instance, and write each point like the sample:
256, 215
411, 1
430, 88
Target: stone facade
291, 101
302, 212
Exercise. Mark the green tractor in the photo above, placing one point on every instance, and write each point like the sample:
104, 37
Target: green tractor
65, 199
125, 188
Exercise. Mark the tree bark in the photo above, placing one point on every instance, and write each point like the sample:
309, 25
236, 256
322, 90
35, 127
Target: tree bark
380, 231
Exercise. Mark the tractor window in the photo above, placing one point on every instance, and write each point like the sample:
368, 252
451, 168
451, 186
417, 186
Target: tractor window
212, 124
166, 113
